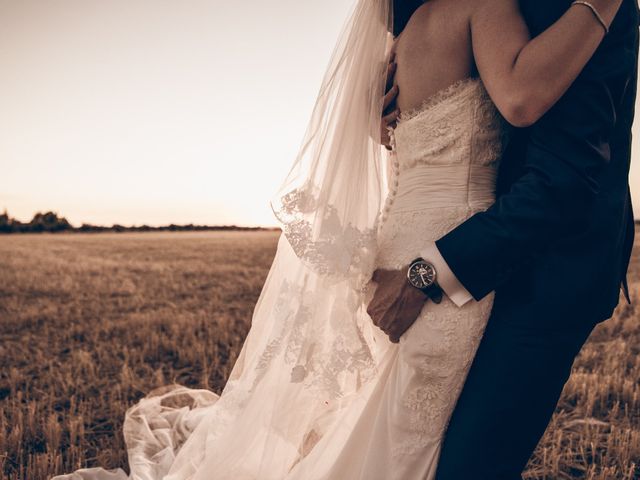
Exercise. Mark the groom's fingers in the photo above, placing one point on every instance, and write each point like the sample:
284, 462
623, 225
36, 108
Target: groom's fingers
393, 319
389, 120
391, 71
396, 330
376, 276
380, 275
389, 98
404, 322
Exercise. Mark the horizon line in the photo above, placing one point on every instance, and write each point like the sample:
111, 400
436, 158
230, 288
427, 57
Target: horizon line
159, 225
141, 224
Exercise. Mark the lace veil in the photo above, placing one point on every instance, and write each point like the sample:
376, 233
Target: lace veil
311, 346
329, 203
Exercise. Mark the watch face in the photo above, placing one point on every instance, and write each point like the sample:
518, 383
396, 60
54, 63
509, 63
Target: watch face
422, 274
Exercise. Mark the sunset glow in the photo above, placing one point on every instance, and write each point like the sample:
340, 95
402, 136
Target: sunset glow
156, 111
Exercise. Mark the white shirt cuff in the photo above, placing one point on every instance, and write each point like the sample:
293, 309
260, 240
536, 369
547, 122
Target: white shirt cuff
446, 278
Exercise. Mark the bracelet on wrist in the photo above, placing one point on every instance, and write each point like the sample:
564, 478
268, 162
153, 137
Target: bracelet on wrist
595, 12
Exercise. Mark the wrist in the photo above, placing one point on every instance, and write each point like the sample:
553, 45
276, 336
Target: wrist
602, 11
607, 8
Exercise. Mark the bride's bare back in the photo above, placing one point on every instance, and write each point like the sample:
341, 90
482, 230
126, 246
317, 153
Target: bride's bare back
433, 51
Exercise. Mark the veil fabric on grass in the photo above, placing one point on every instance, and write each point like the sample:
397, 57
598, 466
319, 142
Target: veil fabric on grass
311, 348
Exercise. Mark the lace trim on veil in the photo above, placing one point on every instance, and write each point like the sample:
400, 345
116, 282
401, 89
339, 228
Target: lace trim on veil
338, 249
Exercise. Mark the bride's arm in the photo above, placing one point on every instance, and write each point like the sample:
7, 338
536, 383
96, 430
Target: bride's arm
525, 77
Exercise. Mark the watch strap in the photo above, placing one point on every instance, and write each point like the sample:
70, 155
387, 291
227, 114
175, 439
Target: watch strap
434, 291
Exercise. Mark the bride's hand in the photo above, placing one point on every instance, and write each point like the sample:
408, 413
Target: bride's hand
396, 304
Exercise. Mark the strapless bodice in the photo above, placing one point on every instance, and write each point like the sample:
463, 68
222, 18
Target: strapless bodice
446, 152
456, 126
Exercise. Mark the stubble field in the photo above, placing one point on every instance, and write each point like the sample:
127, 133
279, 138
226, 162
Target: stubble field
90, 323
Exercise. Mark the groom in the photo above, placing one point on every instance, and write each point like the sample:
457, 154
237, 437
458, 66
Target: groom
554, 247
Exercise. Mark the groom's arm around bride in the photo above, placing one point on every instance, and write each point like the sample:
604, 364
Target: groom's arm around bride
554, 248
563, 183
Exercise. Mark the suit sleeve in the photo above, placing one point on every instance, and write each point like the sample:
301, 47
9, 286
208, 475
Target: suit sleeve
567, 151
447, 280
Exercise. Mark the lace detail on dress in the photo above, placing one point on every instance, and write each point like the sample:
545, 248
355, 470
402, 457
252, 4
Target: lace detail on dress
458, 125
438, 97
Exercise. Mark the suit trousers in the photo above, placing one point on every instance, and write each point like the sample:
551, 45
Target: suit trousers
510, 394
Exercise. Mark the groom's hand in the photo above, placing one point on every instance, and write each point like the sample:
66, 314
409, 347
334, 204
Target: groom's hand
396, 304
390, 112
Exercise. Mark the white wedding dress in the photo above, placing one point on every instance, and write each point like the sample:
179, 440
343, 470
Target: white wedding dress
444, 170
386, 426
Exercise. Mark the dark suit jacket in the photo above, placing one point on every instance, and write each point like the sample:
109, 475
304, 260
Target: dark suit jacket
556, 244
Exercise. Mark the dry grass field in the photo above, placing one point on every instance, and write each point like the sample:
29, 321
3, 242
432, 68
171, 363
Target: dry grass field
89, 323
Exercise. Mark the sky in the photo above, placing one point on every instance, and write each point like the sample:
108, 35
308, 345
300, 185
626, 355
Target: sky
160, 111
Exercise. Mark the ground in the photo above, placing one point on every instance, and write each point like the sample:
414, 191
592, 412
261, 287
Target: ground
91, 322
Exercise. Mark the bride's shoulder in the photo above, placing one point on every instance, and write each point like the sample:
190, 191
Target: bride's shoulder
476, 6
434, 14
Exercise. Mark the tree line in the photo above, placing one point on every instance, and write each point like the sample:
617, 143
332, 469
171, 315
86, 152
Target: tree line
51, 222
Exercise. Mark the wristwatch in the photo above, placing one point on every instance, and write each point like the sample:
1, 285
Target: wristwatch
423, 276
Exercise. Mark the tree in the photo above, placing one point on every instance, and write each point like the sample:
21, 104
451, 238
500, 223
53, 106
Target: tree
6, 223
48, 222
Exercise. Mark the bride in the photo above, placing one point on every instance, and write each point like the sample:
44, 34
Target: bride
319, 391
